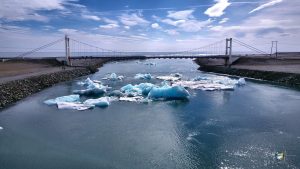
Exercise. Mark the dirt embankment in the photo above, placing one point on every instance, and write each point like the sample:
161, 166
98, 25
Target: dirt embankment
282, 71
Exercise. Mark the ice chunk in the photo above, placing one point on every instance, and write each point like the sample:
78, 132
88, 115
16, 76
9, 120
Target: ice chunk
146, 76
211, 82
1, 128
100, 102
132, 99
241, 81
113, 76
92, 89
172, 77
168, 93
140, 89
88, 82
69, 98
74, 106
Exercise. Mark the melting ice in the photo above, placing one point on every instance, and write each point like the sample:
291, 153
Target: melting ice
172, 88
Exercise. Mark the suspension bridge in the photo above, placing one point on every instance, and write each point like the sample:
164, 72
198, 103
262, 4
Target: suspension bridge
74, 49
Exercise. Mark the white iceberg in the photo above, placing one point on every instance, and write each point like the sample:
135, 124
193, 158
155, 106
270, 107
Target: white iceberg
146, 76
172, 77
74, 106
211, 82
1, 128
92, 89
168, 93
132, 99
100, 102
69, 98
88, 82
113, 76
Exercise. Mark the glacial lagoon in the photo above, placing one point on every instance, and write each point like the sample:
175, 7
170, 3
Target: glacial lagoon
233, 126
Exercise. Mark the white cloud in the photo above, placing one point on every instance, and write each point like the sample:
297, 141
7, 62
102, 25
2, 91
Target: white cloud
180, 14
19, 10
217, 9
172, 22
224, 20
271, 3
127, 27
68, 31
155, 26
109, 26
91, 17
132, 20
107, 20
171, 32
193, 25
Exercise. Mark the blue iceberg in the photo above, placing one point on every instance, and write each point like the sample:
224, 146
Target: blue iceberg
168, 93
69, 98
140, 89
146, 76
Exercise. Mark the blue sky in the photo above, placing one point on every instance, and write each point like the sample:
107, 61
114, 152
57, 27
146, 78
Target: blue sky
144, 25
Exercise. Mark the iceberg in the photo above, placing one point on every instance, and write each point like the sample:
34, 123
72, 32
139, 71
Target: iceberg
113, 76
146, 76
172, 77
140, 89
69, 98
1, 128
132, 99
100, 102
168, 93
210, 83
88, 82
92, 89
74, 106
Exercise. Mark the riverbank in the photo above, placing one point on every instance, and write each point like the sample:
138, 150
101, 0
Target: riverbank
280, 71
21, 78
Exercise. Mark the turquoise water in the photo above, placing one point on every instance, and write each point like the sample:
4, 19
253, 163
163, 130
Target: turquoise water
243, 128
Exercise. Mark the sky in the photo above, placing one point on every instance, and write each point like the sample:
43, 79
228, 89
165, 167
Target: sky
150, 25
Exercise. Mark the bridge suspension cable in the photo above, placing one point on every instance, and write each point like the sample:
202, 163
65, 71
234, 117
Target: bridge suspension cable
40, 48
251, 48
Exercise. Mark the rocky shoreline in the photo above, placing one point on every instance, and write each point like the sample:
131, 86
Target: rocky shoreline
14, 91
281, 78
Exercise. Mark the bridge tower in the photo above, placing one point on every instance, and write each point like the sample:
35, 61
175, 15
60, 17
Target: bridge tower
67, 48
228, 51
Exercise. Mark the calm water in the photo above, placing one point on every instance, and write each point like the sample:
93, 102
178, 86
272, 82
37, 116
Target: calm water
243, 128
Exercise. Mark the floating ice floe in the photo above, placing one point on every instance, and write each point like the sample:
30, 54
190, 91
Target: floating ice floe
113, 76
92, 89
1, 128
88, 82
211, 83
146, 76
168, 93
172, 77
74, 106
69, 98
100, 102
